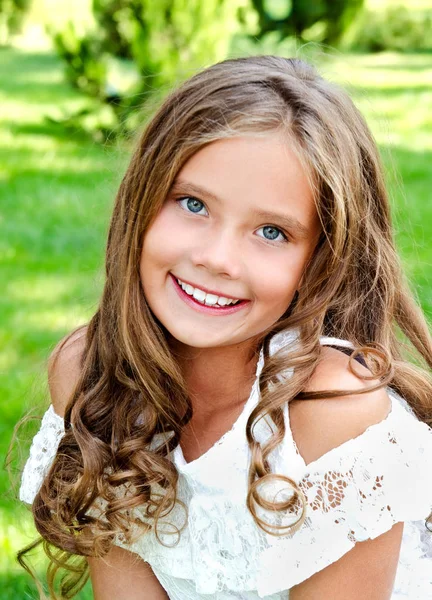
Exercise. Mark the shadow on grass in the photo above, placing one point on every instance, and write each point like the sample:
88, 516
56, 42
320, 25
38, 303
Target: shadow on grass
34, 77
48, 129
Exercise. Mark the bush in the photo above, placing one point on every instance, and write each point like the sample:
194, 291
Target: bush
84, 58
116, 19
165, 41
11, 17
321, 21
394, 28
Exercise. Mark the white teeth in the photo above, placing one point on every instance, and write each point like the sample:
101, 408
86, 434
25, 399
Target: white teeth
223, 301
199, 295
211, 299
208, 299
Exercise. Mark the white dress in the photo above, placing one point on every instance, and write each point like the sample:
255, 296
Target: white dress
356, 491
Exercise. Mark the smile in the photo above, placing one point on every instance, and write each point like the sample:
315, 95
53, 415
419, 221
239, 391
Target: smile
206, 298
206, 302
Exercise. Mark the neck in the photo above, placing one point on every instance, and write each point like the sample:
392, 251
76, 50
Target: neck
220, 378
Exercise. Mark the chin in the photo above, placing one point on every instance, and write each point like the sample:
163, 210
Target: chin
195, 339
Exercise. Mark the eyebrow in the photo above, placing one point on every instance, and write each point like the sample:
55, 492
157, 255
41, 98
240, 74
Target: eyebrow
287, 221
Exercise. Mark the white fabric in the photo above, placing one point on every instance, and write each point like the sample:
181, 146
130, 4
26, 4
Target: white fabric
356, 491
42, 452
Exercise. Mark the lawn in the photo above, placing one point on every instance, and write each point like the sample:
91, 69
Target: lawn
56, 195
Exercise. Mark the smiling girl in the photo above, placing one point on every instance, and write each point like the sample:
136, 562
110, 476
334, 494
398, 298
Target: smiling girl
240, 418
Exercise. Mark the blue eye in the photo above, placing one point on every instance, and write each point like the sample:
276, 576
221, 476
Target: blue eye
274, 232
193, 204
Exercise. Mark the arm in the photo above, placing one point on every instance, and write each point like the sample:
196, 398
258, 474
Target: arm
123, 575
368, 570
120, 574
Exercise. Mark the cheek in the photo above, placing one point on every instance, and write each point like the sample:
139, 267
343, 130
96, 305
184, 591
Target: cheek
276, 281
162, 243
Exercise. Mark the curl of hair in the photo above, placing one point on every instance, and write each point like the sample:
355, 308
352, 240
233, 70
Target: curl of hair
131, 387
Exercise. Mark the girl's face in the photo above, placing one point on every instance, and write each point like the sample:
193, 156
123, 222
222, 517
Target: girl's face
216, 234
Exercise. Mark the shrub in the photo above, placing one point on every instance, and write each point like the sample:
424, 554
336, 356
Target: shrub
84, 57
11, 18
394, 28
165, 41
321, 21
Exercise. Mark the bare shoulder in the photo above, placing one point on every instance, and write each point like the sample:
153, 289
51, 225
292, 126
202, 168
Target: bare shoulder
64, 365
321, 425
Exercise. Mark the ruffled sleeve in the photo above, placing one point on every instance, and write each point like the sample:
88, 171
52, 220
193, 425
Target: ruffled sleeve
42, 452
356, 491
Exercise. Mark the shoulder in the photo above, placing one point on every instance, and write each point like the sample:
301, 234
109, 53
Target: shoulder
321, 425
64, 367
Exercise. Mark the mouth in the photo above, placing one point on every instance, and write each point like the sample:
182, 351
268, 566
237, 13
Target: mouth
201, 306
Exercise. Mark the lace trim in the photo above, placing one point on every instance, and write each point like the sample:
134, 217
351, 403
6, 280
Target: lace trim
42, 452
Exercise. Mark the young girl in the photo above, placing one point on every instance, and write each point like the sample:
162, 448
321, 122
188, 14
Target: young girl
241, 417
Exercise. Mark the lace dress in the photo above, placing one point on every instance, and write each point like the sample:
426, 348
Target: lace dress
354, 492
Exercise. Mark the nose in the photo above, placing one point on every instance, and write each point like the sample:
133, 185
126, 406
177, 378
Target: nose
220, 254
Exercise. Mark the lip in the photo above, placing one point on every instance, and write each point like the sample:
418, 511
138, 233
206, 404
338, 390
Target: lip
207, 291
209, 310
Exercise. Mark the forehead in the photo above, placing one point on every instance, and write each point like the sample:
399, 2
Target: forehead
260, 174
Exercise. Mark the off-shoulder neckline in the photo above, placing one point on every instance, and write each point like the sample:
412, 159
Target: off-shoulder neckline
352, 442
397, 403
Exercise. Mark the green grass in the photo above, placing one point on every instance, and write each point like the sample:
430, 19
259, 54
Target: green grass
56, 193
393, 93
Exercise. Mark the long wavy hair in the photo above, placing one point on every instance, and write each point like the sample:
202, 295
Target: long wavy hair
131, 387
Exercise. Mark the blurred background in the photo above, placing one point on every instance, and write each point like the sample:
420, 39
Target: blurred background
79, 79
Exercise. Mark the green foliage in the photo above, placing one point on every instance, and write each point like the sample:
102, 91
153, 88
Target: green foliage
396, 27
117, 20
184, 28
11, 17
166, 41
322, 20
84, 57
171, 34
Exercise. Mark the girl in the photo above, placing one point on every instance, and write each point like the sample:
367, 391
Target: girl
205, 440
